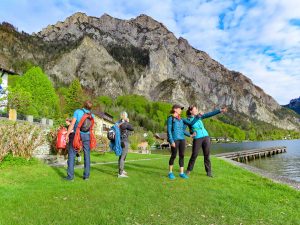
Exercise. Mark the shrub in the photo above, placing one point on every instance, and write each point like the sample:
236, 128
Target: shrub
19, 139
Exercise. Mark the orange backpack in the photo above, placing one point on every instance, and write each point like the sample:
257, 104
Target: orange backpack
61, 138
77, 143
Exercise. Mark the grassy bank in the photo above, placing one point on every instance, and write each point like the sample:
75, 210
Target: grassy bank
36, 194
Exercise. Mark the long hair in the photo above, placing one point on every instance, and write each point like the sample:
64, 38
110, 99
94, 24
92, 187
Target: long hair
188, 111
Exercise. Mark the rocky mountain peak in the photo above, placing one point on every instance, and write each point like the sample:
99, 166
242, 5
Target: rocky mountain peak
77, 17
149, 23
141, 56
106, 16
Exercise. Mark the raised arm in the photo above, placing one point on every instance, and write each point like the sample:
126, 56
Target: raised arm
191, 123
169, 129
210, 114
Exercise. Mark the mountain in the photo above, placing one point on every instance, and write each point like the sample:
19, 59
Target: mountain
139, 56
294, 105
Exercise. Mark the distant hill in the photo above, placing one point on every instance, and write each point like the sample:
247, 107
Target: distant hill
294, 105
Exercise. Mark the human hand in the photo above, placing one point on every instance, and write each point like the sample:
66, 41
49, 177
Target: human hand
173, 145
67, 139
224, 109
193, 134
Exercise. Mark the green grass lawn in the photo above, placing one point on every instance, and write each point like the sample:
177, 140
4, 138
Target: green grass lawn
36, 194
110, 157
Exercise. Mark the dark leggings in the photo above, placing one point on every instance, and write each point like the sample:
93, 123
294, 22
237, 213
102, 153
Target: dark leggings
197, 144
180, 145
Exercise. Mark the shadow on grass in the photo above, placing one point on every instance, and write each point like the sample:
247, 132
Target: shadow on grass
147, 169
108, 172
146, 166
135, 167
61, 172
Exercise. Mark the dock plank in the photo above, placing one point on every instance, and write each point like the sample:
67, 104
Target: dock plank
246, 155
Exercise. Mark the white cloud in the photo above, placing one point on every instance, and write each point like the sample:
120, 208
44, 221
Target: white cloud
257, 41
253, 37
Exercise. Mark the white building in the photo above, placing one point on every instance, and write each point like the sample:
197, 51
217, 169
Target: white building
3, 86
103, 122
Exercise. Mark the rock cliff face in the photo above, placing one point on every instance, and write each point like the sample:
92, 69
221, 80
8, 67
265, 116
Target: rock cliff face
141, 56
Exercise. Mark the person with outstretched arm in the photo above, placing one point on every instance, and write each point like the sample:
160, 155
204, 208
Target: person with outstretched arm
201, 138
176, 130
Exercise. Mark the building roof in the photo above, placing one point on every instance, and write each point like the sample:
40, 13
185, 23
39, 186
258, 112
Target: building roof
162, 136
105, 116
3, 71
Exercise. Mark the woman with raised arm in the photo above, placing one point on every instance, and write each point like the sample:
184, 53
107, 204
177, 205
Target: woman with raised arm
201, 138
176, 130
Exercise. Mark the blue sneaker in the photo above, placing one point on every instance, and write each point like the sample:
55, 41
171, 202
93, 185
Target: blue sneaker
183, 175
171, 176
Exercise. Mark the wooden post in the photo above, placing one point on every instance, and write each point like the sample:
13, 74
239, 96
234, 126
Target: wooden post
12, 115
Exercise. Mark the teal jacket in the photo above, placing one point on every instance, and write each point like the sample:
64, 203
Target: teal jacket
198, 127
176, 129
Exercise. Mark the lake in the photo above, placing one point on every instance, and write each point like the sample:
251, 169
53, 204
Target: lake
286, 164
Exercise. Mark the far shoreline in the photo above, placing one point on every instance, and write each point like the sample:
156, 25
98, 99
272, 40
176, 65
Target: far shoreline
247, 141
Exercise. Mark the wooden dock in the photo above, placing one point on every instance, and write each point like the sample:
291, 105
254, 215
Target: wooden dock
247, 155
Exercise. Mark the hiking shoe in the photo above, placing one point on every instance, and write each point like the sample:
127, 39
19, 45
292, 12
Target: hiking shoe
69, 179
124, 172
183, 175
171, 176
122, 175
209, 175
85, 178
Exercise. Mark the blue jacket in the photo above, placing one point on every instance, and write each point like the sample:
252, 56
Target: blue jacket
198, 127
78, 114
116, 144
176, 129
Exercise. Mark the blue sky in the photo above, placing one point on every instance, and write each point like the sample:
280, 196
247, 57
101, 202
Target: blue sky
260, 38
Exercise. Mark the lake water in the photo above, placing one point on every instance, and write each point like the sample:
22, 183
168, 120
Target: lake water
286, 164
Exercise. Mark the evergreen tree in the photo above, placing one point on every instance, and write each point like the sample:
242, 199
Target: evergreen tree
74, 97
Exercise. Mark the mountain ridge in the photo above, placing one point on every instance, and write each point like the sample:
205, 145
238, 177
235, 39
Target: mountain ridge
294, 105
141, 56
